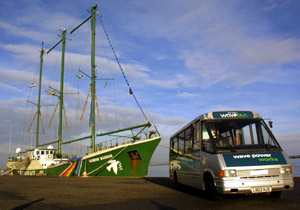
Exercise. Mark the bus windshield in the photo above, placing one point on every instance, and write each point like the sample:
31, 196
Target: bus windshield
232, 135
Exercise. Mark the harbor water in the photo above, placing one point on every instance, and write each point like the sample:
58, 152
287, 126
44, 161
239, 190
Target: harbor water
296, 167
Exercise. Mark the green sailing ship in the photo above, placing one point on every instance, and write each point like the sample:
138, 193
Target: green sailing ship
125, 152
122, 158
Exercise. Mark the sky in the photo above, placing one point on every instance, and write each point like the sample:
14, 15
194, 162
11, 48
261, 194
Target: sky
181, 58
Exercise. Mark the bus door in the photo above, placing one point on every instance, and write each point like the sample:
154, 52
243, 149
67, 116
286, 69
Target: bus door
208, 157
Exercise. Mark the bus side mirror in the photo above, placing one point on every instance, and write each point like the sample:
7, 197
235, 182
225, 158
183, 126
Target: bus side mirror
271, 124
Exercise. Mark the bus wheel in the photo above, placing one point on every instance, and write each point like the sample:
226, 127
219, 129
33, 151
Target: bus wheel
275, 194
210, 189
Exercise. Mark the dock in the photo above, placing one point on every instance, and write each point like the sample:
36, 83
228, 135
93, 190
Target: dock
25, 192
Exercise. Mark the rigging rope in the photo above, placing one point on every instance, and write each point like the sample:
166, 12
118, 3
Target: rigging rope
113, 50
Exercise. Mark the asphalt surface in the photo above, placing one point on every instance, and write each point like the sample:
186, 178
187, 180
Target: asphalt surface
21, 192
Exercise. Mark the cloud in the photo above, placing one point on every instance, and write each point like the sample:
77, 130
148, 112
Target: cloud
25, 53
28, 54
188, 95
207, 66
21, 80
12, 76
6, 86
162, 57
268, 51
19, 31
164, 83
249, 62
136, 70
217, 41
176, 81
38, 21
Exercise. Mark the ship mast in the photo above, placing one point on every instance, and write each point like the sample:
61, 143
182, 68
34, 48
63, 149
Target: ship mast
93, 75
61, 95
61, 91
39, 99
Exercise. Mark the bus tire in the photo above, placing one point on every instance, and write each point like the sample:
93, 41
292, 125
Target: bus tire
210, 189
275, 194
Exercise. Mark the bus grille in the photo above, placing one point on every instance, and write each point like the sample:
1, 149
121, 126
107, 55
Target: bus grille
258, 177
255, 174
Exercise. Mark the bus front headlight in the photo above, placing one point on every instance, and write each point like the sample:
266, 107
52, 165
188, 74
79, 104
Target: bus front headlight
227, 173
286, 170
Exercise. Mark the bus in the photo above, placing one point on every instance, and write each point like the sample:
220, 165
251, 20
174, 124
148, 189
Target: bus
229, 152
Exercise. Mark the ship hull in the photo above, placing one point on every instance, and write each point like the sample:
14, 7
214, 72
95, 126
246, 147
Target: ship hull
130, 160
65, 169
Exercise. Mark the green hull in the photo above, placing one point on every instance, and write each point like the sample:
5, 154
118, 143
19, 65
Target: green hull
130, 160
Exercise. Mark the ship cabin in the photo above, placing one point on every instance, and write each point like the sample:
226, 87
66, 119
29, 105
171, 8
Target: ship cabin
46, 156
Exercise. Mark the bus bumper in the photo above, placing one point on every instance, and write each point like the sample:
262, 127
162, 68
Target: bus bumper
253, 186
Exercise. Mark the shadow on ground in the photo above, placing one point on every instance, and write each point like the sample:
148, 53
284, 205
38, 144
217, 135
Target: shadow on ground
26, 205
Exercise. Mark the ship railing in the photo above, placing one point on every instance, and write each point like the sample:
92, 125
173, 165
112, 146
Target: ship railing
123, 140
14, 159
129, 137
65, 156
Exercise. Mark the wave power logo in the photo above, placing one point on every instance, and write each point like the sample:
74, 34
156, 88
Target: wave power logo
114, 165
230, 114
233, 114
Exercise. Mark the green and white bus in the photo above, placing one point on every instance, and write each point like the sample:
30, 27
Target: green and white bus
230, 152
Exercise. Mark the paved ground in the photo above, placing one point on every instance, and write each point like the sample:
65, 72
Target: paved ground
20, 192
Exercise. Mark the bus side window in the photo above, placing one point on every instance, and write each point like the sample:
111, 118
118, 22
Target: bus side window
181, 141
197, 136
188, 145
206, 143
175, 144
171, 144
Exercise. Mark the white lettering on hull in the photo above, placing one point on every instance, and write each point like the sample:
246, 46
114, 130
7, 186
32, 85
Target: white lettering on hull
105, 157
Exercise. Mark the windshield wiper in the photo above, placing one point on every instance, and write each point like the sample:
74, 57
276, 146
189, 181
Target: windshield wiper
226, 141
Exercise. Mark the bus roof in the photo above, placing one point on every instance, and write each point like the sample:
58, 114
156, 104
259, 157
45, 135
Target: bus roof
229, 115
222, 115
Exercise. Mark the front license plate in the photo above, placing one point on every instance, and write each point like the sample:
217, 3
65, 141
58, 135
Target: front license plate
261, 189
259, 172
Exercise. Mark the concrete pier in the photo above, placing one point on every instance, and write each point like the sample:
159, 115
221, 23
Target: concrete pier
24, 192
